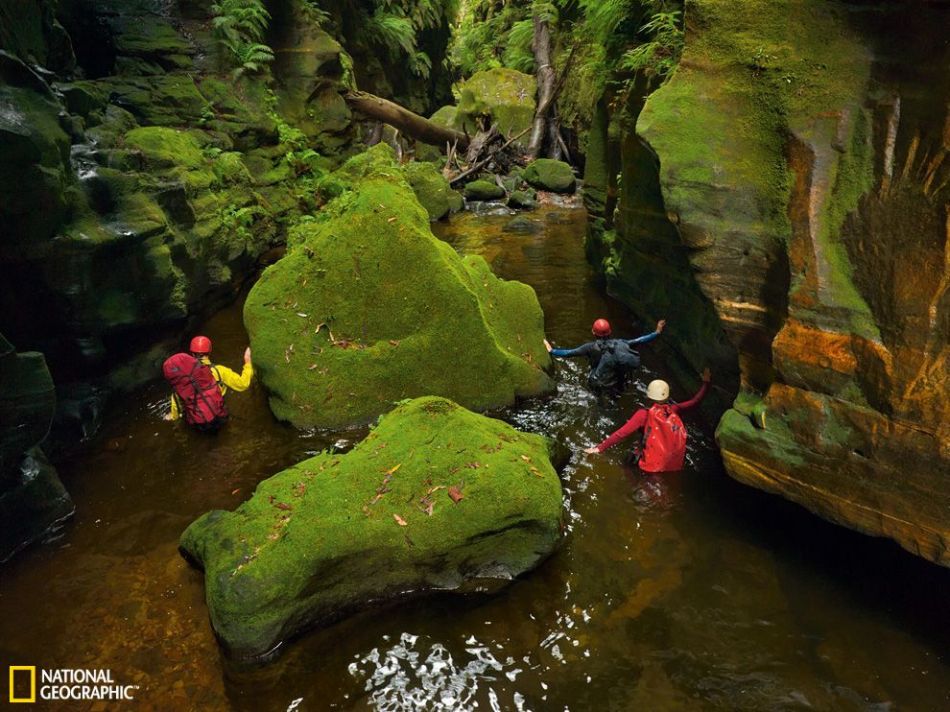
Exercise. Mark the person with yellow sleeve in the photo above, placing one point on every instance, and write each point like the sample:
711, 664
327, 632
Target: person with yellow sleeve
212, 407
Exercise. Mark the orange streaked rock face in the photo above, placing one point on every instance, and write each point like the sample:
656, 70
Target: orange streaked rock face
831, 276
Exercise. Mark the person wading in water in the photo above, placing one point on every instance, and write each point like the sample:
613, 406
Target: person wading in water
610, 360
664, 435
199, 386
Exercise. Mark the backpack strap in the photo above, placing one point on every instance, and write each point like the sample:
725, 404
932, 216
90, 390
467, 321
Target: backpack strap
197, 390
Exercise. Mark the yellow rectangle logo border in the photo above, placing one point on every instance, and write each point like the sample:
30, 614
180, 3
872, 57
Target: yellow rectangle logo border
32, 697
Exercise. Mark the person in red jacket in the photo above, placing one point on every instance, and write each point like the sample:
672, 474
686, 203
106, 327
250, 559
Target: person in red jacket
664, 435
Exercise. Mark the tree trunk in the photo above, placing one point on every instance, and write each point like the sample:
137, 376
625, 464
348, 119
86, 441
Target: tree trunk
411, 124
541, 44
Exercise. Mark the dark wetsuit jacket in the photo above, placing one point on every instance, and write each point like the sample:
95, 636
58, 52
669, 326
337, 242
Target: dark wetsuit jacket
593, 350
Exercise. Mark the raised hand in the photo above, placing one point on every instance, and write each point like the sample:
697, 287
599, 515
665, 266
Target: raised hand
660, 325
247, 355
547, 345
707, 375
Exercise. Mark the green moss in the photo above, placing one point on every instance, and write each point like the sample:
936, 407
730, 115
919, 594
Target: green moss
432, 189
229, 168
483, 190
548, 174
503, 96
321, 538
408, 315
523, 199
164, 147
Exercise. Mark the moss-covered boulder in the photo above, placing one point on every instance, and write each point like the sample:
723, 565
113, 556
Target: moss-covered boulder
368, 308
432, 189
434, 496
522, 199
483, 190
548, 174
498, 96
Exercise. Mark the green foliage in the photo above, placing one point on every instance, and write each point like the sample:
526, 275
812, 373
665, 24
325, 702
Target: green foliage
237, 221
239, 27
659, 56
395, 26
613, 42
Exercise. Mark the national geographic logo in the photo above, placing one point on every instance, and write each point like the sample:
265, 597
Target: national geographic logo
73, 684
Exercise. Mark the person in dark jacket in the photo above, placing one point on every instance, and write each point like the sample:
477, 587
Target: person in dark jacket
610, 360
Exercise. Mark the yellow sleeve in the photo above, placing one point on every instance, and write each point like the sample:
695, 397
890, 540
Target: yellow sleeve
173, 413
232, 380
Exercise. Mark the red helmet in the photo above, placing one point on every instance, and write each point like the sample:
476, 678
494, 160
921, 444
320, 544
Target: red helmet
601, 328
200, 345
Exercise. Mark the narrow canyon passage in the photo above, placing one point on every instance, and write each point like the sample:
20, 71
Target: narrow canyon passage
684, 589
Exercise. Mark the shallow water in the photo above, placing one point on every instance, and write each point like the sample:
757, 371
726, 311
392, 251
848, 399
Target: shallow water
679, 592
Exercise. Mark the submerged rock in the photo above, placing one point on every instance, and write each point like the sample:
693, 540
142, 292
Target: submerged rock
522, 225
483, 190
433, 497
522, 199
548, 174
368, 308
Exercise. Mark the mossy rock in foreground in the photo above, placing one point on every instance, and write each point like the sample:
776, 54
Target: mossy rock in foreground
337, 532
548, 174
409, 317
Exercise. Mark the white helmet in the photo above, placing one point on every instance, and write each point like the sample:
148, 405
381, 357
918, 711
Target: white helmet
658, 390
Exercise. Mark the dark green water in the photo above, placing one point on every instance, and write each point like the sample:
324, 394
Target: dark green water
687, 591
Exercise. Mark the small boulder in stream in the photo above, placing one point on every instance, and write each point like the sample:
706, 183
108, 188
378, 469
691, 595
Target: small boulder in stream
434, 497
484, 190
548, 174
368, 308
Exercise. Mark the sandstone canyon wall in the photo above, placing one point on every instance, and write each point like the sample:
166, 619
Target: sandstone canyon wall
784, 201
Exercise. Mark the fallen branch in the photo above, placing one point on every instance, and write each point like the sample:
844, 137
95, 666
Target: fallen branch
478, 164
399, 117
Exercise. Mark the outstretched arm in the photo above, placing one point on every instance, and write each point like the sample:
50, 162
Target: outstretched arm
700, 394
636, 422
234, 381
647, 338
582, 350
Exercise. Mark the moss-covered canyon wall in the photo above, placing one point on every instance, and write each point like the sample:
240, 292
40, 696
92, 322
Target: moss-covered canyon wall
784, 200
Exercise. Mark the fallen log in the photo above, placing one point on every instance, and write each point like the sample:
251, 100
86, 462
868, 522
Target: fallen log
399, 117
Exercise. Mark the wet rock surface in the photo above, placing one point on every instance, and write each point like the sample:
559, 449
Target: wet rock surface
32, 498
802, 191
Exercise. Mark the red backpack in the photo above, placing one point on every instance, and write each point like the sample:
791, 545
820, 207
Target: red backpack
664, 440
199, 395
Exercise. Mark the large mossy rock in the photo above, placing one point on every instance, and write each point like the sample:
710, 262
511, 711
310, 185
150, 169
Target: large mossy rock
500, 96
337, 532
408, 315
548, 174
